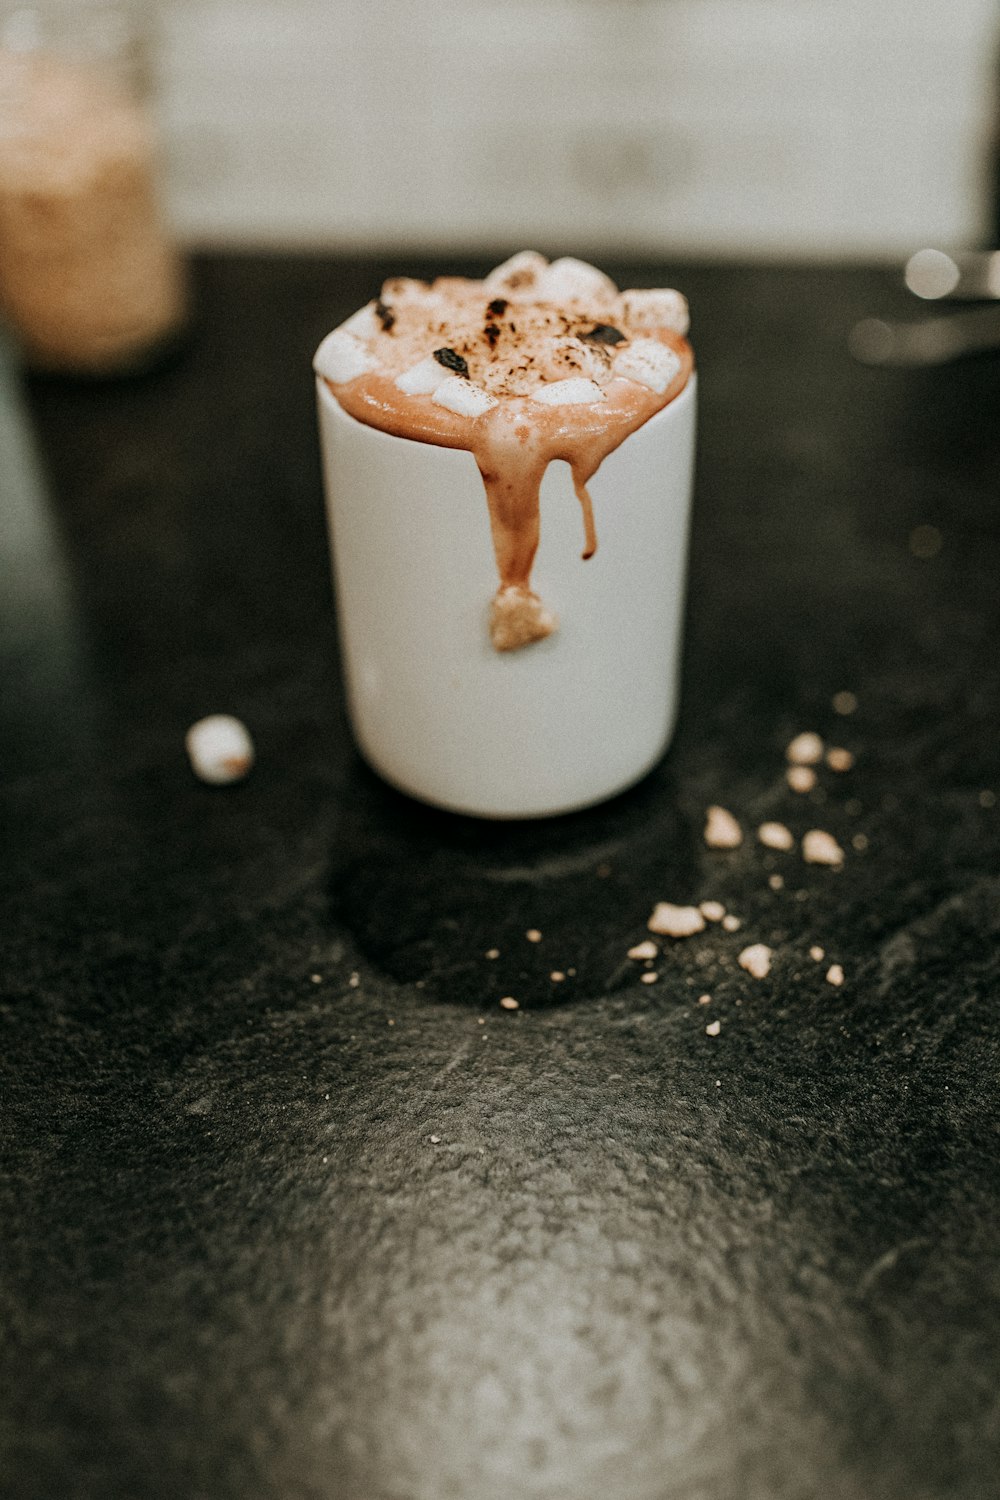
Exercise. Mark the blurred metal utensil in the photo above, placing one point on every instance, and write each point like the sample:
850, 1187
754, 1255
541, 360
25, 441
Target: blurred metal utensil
968, 276
934, 341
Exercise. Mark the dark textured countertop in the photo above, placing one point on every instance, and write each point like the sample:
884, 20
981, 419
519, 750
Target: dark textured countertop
292, 1210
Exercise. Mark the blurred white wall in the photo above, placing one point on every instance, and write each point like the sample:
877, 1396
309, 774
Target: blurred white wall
732, 127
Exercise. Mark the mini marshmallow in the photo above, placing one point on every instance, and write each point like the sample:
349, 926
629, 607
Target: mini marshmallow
403, 290
363, 324
342, 357
220, 749
573, 392
574, 357
461, 396
649, 362
422, 379
654, 307
568, 280
518, 275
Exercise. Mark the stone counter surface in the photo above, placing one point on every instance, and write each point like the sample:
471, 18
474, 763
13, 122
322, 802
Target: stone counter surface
290, 1207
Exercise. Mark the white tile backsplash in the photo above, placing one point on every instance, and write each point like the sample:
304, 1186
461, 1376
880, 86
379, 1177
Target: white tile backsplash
782, 127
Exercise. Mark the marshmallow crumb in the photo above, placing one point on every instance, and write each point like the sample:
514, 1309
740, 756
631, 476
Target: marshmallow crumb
731, 923
838, 759
712, 911
220, 749
493, 953
805, 750
776, 882
721, 829
509, 1003
775, 836
649, 977
835, 975
646, 949
533, 935
801, 778
756, 960
675, 921
713, 1028
557, 976
704, 999
819, 848
816, 953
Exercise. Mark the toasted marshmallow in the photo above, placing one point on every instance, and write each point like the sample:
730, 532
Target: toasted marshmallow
654, 307
422, 379
407, 291
460, 395
571, 280
574, 392
342, 357
649, 362
520, 275
364, 324
574, 357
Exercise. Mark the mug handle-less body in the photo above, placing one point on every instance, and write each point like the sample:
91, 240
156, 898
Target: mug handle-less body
436, 711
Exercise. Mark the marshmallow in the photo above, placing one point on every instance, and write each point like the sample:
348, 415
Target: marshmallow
220, 749
422, 379
517, 276
649, 362
574, 392
342, 357
363, 324
461, 396
571, 280
654, 307
407, 290
576, 357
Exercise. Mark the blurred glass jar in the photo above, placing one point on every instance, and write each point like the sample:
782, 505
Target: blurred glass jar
90, 281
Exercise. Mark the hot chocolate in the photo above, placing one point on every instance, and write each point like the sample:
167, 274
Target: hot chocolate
539, 361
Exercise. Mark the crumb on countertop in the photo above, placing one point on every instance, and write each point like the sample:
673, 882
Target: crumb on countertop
756, 959
821, 848
722, 831
801, 778
806, 749
668, 920
775, 836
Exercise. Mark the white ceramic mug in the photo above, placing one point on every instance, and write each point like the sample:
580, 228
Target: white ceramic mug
560, 724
